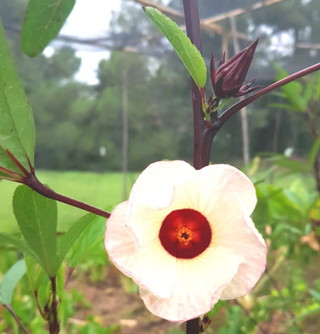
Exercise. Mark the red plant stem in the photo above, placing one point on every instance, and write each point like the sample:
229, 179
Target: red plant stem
191, 13
217, 124
32, 182
207, 140
54, 327
16, 318
193, 31
193, 326
236, 107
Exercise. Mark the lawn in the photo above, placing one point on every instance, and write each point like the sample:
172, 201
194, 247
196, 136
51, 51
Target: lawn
103, 190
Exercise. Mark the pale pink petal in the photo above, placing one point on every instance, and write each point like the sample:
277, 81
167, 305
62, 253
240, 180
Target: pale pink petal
253, 248
119, 239
224, 180
235, 231
180, 289
145, 222
145, 265
199, 285
153, 194
155, 186
186, 194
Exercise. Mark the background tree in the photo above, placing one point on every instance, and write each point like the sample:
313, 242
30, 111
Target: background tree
76, 120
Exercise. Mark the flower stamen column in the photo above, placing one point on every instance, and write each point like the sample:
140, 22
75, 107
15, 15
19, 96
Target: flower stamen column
185, 233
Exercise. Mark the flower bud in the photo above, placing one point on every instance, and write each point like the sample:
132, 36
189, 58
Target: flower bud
228, 79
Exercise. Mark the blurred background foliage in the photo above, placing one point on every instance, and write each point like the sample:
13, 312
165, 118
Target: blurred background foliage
79, 128
74, 120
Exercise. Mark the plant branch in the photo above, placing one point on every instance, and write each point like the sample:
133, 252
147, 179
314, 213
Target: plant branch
43, 314
217, 123
68, 276
16, 318
15, 175
30, 180
236, 107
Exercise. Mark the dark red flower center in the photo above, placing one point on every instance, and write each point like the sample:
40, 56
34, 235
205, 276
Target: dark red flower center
185, 233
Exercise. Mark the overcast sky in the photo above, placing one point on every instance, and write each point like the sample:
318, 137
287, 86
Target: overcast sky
89, 18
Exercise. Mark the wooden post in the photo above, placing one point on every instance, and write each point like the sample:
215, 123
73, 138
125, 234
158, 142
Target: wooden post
124, 127
243, 111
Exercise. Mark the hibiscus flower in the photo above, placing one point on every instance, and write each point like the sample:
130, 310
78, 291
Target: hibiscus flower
185, 236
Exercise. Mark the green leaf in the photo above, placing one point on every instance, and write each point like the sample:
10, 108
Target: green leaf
42, 23
308, 92
10, 280
292, 91
311, 309
37, 219
315, 294
7, 239
281, 227
282, 106
316, 94
60, 282
31, 270
17, 131
65, 242
279, 94
206, 320
92, 236
39, 278
188, 53
35, 272
294, 165
313, 152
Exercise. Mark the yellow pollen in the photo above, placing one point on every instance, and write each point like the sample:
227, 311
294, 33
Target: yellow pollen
184, 234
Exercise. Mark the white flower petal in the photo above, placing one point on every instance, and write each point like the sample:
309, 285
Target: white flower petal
186, 194
199, 285
155, 186
119, 239
224, 180
235, 231
145, 265
153, 194
182, 289
145, 222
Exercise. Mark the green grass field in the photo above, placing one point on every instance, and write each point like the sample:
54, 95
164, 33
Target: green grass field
101, 190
